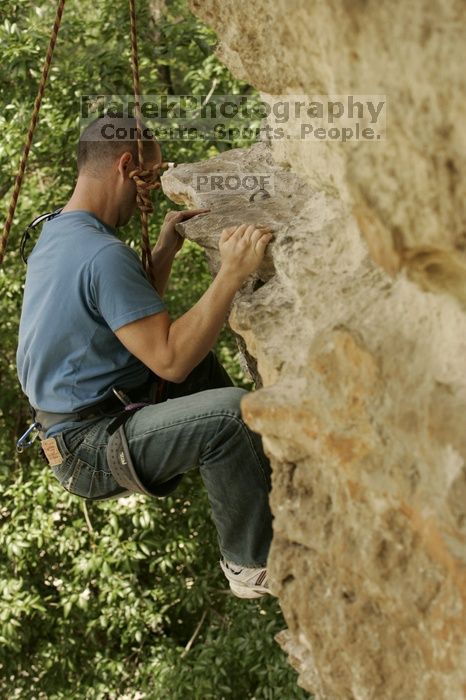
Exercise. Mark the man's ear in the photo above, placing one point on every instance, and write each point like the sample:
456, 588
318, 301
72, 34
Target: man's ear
125, 164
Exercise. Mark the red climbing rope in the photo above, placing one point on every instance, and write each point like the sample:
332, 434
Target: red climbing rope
32, 127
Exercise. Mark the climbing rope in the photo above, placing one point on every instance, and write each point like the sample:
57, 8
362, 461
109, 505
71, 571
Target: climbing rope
32, 128
145, 179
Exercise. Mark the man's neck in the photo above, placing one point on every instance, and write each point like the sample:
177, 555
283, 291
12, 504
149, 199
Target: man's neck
89, 195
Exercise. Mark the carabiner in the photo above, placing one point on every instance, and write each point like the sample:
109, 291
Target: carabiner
22, 444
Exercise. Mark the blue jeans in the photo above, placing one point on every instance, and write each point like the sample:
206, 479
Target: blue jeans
197, 424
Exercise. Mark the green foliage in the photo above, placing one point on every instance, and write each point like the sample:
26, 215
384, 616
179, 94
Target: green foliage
104, 606
105, 600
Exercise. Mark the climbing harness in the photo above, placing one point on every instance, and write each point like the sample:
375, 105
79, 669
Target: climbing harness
121, 463
118, 455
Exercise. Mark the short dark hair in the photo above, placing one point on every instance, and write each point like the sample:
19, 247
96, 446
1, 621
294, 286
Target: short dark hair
107, 138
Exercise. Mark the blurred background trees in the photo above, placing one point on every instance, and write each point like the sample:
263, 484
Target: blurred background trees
121, 599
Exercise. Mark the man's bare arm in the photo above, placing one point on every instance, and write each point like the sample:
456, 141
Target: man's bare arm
173, 348
162, 260
168, 244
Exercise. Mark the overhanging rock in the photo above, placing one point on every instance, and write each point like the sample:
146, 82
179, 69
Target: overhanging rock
281, 207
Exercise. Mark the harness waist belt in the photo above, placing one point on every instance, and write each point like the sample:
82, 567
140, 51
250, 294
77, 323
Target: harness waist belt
151, 389
47, 419
118, 455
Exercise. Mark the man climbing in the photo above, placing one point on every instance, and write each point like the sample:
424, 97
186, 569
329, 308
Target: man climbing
94, 334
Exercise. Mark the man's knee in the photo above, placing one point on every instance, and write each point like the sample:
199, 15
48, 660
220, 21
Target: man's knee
231, 399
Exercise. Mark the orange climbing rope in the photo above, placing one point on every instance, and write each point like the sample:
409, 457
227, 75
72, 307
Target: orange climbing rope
145, 179
32, 128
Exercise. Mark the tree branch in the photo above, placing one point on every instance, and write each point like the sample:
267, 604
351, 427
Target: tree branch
195, 633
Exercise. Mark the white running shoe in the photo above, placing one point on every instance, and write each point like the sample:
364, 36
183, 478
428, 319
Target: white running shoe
246, 583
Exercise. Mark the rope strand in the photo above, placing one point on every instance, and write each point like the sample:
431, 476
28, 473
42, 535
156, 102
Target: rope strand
145, 180
31, 130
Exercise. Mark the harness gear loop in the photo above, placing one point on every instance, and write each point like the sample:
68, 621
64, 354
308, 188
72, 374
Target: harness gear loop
32, 128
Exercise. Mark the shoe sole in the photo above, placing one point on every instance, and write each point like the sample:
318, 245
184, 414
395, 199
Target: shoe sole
241, 591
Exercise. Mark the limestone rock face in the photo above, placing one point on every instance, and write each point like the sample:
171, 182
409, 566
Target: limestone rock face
408, 192
355, 330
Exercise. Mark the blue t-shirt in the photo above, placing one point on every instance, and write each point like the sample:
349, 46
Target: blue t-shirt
82, 284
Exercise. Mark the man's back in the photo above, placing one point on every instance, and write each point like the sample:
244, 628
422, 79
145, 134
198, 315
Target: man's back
82, 284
